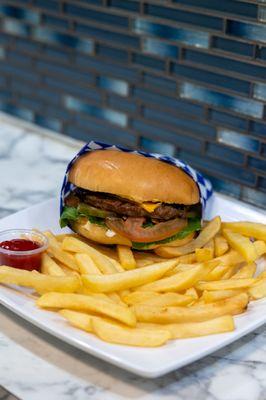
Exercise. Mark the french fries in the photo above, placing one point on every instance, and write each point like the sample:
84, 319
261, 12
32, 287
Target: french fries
40, 282
204, 254
192, 293
161, 300
241, 244
102, 262
207, 233
209, 296
180, 281
260, 247
50, 267
79, 302
250, 229
230, 258
194, 329
138, 297
57, 252
86, 264
127, 279
247, 271
217, 273
126, 257
226, 284
167, 315
187, 289
220, 245
258, 291
113, 333
78, 319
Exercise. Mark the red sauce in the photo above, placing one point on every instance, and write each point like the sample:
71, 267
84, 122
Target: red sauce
22, 261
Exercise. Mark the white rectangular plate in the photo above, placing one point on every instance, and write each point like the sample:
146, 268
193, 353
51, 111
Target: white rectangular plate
142, 361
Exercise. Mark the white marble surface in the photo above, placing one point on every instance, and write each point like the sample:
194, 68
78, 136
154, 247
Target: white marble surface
36, 366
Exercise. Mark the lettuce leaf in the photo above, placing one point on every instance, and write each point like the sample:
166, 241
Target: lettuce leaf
194, 224
71, 214
68, 214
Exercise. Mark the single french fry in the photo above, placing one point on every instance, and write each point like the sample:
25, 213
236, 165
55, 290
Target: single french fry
139, 297
148, 258
113, 333
204, 254
230, 258
226, 284
40, 282
123, 293
206, 234
50, 267
166, 315
195, 329
209, 296
168, 299
180, 281
217, 273
116, 298
198, 302
86, 264
258, 291
143, 262
181, 268
126, 257
224, 261
62, 236
113, 297
77, 246
262, 275
67, 271
59, 254
187, 259
230, 272
250, 229
85, 291
79, 302
220, 245
127, 279
116, 264
210, 245
241, 244
78, 319
260, 248
247, 271
192, 293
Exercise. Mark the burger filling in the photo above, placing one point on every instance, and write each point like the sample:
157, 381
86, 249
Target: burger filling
143, 223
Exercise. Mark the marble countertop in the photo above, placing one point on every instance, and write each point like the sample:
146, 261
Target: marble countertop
36, 366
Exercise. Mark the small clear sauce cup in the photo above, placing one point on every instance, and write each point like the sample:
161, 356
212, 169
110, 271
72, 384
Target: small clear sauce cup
24, 259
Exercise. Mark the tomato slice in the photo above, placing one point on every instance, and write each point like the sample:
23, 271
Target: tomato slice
132, 228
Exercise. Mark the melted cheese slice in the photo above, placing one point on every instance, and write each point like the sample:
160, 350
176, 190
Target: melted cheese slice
150, 207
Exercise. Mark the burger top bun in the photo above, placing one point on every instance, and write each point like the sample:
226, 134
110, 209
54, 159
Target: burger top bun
134, 177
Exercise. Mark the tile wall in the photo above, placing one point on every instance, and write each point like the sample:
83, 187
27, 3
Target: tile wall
180, 77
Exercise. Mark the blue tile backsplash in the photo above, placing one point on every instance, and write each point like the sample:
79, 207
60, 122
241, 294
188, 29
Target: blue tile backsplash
185, 78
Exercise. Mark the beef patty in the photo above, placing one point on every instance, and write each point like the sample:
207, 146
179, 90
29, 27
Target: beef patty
121, 206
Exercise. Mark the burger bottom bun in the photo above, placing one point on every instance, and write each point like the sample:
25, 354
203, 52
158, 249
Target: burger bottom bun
97, 234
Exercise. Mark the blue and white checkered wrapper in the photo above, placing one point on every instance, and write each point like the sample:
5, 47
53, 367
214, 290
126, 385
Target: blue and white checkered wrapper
204, 185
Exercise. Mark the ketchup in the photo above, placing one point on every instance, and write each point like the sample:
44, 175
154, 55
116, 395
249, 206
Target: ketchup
12, 257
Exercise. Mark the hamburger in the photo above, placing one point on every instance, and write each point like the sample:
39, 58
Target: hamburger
125, 198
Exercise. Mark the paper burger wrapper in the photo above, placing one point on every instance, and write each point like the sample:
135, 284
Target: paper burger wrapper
204, 185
